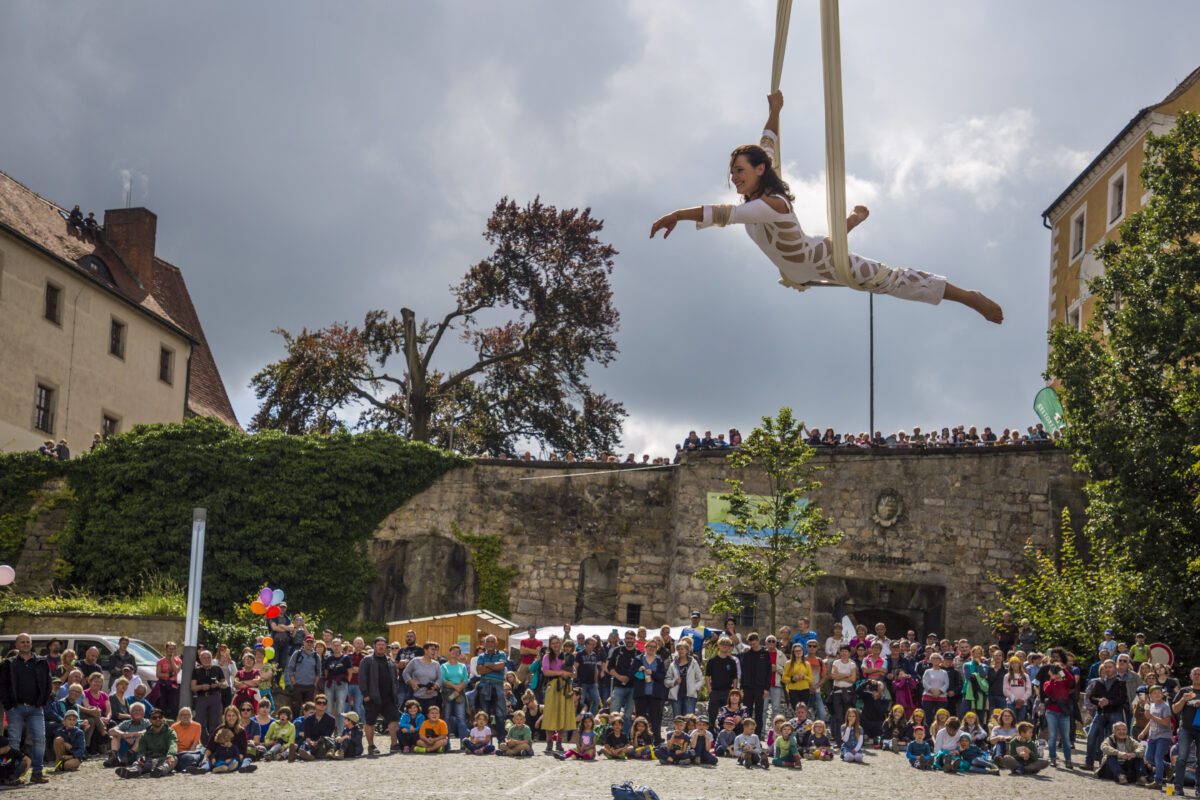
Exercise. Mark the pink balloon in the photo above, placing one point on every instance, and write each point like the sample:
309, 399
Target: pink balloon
264, 596
7, 574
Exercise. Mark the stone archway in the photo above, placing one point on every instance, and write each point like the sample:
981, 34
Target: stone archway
596, 595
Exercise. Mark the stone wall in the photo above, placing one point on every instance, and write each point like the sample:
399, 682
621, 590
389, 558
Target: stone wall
36, 566
590, 540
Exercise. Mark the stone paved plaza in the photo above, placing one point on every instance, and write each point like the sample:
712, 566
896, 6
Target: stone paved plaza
884, 775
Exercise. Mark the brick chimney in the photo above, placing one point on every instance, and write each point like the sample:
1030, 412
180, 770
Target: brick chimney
130, 232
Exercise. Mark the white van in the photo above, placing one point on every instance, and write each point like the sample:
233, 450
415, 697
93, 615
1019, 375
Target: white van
144, 655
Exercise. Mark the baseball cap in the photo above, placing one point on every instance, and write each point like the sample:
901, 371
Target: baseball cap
309, 638
695, 613
1108, 631
377, 639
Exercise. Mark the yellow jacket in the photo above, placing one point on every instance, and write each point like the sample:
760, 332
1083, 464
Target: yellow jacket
797, 675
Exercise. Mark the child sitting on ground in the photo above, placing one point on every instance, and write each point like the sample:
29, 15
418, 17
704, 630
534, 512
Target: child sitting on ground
410, 725
479, 739
281, 736
676, 749
773, 734
968, 757
433, 735
519, 741
819, 746
349, 741
727, 735
702, 743
852, 737
225, 756
616, 742
585, 741
641, 741
919, 751
13, 764
1022, 757
787, 751
895, 730
748, 747
69, 746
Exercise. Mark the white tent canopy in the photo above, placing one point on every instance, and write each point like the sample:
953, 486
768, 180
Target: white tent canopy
601, 631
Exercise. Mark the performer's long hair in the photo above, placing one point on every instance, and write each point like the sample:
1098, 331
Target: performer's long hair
769, 183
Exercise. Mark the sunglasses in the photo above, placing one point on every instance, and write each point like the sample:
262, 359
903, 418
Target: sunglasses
322, 703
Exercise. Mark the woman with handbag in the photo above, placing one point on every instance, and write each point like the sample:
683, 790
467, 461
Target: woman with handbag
558, 670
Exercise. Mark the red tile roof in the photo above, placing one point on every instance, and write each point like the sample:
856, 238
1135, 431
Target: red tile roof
41, 224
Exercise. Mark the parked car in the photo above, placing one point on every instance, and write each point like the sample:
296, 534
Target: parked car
145, 655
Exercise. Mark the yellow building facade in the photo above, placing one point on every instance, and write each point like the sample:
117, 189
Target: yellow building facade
1099, 199
97, 334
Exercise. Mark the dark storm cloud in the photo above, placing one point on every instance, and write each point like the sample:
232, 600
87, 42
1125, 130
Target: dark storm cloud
310, 161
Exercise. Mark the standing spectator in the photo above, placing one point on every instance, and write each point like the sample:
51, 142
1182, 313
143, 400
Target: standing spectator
650, 690
62, 451
530, 647
1111, 699
684, 677
1027, 637
454, 682
721, 673
1185, 706
756, 670
410, 651
377, 680
424, 677
354, 698
558, 669
47, 449
735, 437
489, 694
698, 633
96, 442
167, 673
589, 665
1109, 645
208, 680
281, 630
621, 667
24, 691
1005, 633
303, 669
337, 681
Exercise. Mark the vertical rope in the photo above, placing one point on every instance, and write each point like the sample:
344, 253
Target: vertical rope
835, 146
783, 14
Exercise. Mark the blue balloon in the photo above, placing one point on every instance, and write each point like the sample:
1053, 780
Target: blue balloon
276, 597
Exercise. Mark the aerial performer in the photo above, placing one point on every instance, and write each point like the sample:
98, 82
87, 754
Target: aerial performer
802, 260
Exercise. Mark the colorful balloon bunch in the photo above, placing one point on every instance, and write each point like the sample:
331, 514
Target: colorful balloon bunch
267, 604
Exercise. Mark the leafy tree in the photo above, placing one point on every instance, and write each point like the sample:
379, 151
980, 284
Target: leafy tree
1131, 388
777, 536
1069, 598
535, 314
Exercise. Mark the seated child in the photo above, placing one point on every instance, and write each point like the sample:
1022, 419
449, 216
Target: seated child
774, 733
349, 742
616, 743
968, 757
677, 748
479, 739
727, 735
919, 751
519, 741
1022, 757
971, 727
69, 746
819, 745
702, 743
641, 740
13, 764
787, 751
410, 725
585, 741
280, 738
852, 737
225, 758
433, 735
895, 730
748, 747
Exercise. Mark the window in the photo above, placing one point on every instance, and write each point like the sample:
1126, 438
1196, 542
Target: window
745, 617
1073, 314
633, 614
116, 338
108, 425
1078, 229
166, 362
1116, 197
43, 408
54, 303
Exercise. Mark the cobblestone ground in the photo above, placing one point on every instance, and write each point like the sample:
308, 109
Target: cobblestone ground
455, 775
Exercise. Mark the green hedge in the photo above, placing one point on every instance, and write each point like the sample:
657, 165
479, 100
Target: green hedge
21, 477
294, 512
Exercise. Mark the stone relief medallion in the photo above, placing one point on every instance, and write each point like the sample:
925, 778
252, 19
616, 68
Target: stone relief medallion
888, 508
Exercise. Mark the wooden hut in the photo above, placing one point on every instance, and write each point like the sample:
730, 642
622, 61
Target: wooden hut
466, 628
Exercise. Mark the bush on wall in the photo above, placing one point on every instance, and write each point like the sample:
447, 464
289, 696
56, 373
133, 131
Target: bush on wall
295, 512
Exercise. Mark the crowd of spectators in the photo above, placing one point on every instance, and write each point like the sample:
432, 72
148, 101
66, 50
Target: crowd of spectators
704, 695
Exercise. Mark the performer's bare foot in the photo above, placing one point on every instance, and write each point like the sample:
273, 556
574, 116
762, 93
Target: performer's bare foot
977, 300
857, 216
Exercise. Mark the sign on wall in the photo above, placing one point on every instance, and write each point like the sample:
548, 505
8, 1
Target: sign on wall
718, 517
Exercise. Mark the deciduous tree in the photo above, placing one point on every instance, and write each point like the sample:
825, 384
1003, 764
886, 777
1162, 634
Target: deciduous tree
537, 314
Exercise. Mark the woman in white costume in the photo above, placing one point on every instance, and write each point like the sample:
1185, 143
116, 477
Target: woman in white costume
806, 260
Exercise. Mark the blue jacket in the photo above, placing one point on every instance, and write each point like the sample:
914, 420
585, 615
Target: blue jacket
657, 687
74, 738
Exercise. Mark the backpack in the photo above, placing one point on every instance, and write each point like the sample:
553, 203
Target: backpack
625, 791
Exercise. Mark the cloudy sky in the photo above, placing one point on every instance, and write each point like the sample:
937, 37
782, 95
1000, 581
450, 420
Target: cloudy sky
310, 161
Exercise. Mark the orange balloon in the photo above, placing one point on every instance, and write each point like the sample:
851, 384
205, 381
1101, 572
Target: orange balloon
258, 608
268, 641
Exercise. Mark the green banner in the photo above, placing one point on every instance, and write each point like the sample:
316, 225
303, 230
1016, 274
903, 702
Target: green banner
718, 518
1049, 409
